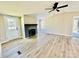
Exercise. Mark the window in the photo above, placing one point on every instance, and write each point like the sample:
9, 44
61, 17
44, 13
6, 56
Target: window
76, 25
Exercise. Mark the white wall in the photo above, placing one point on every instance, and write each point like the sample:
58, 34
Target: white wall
30, 19
61, 23
2, 28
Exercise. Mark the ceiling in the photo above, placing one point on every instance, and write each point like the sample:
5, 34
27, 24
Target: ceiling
33, 7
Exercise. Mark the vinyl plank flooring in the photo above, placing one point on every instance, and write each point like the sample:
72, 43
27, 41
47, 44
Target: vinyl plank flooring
56, 46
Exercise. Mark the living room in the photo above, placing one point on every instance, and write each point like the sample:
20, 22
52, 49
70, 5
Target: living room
35, 29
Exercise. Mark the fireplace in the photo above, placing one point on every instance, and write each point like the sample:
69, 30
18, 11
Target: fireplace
30, 30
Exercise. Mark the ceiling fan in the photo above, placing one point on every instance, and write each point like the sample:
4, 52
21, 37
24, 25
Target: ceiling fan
55, 7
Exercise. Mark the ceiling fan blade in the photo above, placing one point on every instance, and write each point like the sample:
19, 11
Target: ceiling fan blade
62, 6
48, 8
56, 3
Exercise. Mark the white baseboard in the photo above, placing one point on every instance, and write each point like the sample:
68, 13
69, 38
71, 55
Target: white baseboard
58, 34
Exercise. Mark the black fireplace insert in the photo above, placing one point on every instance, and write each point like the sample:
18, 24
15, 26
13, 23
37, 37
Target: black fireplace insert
30, 30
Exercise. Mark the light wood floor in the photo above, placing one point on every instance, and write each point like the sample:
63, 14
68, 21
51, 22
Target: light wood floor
56, 46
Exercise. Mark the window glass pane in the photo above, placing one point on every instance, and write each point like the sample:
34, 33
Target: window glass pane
76, 25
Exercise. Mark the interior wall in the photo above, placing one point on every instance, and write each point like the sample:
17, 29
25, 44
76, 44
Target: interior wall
2, 28
20, 27
30, 19
61, 23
